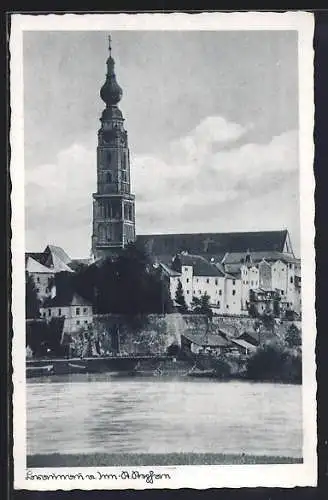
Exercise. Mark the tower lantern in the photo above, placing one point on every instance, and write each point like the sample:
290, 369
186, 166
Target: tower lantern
113, 203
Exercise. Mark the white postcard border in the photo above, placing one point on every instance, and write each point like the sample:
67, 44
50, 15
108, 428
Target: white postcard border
198, 477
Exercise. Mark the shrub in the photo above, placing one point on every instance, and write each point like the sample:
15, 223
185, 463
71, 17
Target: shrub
273, 361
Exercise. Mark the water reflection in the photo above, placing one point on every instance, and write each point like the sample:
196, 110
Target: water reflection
96, 413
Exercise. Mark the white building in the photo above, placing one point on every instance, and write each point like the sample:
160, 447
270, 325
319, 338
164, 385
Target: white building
199, 277
76, 310
267, 271
42, 267
42, 277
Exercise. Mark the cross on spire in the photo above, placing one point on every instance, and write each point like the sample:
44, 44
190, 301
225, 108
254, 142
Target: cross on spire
110, 44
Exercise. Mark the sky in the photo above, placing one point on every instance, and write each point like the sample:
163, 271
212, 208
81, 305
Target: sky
212, 121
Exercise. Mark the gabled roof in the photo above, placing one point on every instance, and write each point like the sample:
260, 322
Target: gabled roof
170, 272
212, 244
210, 340
33, 266
65, 299
38, 256
256, 257
201, 267
59, 252
244, 343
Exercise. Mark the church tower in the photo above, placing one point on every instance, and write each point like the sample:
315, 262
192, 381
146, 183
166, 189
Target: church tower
113, 203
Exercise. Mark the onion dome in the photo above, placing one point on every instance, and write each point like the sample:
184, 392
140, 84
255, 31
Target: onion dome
110, 92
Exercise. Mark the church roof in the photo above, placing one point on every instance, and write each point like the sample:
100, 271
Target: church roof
212, 244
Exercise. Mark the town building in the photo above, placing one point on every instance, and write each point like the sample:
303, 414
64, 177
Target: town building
113, 203
76, 310
267, 272
43, 266
199, 277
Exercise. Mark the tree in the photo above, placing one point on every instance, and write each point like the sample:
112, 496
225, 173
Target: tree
201, 305
32, 303
293, 336
180, 299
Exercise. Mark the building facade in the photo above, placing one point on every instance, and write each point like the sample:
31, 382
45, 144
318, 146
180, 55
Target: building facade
76, 310
199, 277
113, 203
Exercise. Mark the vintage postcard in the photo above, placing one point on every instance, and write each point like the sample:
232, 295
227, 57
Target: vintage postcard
163, 264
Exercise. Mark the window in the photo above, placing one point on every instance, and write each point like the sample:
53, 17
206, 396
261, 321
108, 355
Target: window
197, 280
109, 178
38, 279
291, 280
85, 310
49, 312
246, 282
124, 176
186, 269
108, 156
77, 311
233, 292
37, 290
233, 282
44, 314
216, 282
86, 322
220, 292
187, 292
199, 292
219, 305
207, 281
187, 280
78, 322
252, 283
227, 306
59, 312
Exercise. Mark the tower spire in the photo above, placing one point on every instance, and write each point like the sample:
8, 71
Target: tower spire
110, 92
113, 206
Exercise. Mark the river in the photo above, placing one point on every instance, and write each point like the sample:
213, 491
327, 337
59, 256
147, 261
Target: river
99, 414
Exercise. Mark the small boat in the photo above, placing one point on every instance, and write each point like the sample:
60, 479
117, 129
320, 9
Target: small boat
39, 371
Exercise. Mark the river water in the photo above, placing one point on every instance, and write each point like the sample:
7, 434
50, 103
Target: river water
101, 414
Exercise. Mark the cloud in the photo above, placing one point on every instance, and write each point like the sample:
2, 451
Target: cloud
197, 184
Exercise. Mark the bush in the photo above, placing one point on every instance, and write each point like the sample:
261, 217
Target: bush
275, 362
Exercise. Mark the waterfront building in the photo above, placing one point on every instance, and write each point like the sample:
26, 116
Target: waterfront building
76, 310
113, 202
43, 266
198, 277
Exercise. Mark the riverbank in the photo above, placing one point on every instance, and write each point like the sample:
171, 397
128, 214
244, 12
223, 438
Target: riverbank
143, 459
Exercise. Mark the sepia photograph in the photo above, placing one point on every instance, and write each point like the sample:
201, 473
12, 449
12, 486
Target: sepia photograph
163, 250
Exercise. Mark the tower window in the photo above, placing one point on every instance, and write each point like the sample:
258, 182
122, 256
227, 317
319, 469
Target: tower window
124, 176
109, 178
108, 156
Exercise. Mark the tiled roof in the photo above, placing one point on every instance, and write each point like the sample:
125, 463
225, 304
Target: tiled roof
244, 343
210, 340
170, 272
212, 244
66, 298
33, 266
59, 252
256, 257
201, 267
